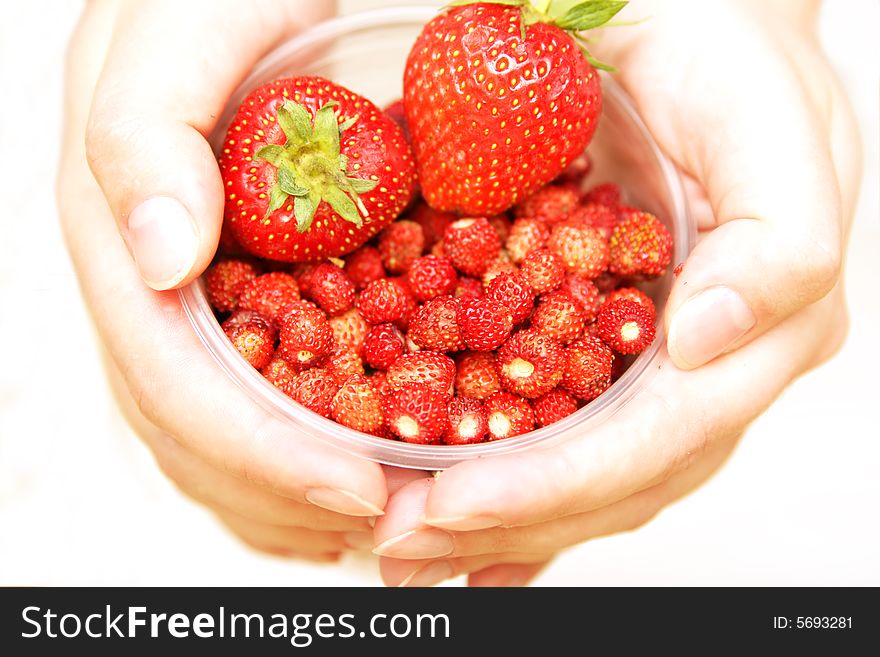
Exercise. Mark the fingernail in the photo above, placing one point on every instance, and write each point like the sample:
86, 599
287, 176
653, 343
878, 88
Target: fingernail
342, 501
417, 544
359, 540
707, 324
163, 240
429, 575
464, 523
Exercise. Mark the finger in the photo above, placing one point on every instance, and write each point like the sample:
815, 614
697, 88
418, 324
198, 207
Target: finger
285, 541
676, 418
506, 574
153, 108
399, 572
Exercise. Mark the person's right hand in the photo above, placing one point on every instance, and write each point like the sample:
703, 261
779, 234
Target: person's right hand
146, 83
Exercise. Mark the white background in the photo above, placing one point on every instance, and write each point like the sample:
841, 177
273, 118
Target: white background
82, 503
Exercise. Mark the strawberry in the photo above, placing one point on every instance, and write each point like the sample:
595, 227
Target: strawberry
312, 170
553, 406
342, 362
431, 276
467, 422
280, 374
607, 194
584, 293
529, 364
640, 246
504, 84
583, 250
476, 375
514, 293
383, 345
269, 294
364, 266
329, 287
501, 265
225, 280
435, 326
433, 222
526, 235
305, 336
471, 244
549, 204
576, 172
379, 379
485, 323
435, 370
397, 114
501, 223
468, 287
349, 329
633, 294
543, 270
558, 316
358, 405
625, 326
383, 301
416, 413
587, 368
252, 336
593, 215
314, 389
400, 244
508, 415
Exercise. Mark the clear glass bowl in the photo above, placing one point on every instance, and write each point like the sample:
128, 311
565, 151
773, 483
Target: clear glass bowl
622, 151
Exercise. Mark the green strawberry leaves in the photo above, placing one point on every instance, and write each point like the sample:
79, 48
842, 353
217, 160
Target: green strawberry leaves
589, 15
311, 168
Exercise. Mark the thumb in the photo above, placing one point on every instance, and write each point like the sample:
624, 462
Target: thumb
169, 71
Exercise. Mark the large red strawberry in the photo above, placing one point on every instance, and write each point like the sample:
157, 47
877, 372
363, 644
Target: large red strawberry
500, 99
312, 170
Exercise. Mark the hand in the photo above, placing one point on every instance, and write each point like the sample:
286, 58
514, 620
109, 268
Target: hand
741, 98
145, 83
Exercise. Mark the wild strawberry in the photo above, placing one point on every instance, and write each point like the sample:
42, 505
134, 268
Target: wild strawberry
576, 172
501, 265
312, 170
607, 194
640, 246
349, 329
398, 114
584, 293
330, 288
269, 294
543, 270
468, 288
364, 266
625, 326
467, 422
430, 276
252, 336
558, 316
513, 292
305, 336
583, 250
379, 379
400, 244
600, 217
383, 345
607, 282
435, 326
587, 368
485, 323
501, 223
410, 303
508, 415
225, 280
476, 375
633, 294
416, 413
280, 374
358, 405
428, 367
342, 362
550, 204
471, 244
526, 235
553, 406
529, 364
314, 388
383, 301
433, 222
508, 88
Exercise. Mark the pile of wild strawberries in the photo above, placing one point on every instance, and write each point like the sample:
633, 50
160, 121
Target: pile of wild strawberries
438, 272
456, 330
